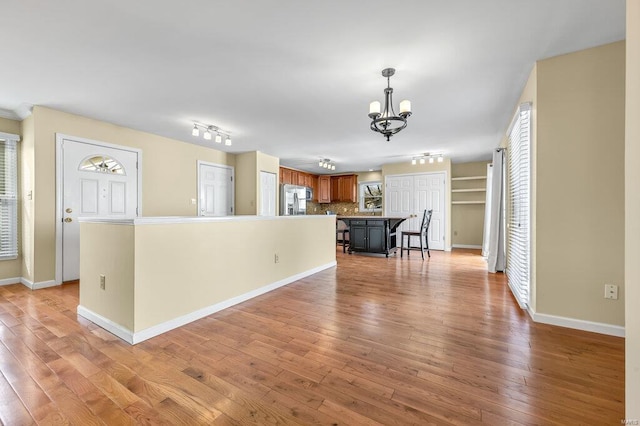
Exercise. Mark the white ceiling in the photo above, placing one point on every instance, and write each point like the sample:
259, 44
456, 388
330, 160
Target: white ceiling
294, 78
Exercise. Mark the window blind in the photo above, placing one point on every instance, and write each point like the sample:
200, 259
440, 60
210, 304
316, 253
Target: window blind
8, 196
518, 196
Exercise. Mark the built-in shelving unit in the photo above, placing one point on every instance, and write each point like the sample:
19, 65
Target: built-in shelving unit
468, 201
468, 190
469, 178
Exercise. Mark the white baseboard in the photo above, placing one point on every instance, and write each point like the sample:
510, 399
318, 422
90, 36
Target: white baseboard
595, 327
107, 324
38, 285
9, 281
156, 330
467, 246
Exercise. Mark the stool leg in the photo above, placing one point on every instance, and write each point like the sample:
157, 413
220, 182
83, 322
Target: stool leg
421, 247
401, 244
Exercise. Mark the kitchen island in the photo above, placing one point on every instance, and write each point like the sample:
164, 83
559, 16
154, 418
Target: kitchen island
372, 234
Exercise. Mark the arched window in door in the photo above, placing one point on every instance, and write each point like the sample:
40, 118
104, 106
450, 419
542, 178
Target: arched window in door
102, 164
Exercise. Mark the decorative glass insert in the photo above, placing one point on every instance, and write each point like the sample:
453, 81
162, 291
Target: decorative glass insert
370, 196
102, 164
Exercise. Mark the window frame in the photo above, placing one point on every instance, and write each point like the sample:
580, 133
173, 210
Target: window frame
9, 197
361, 195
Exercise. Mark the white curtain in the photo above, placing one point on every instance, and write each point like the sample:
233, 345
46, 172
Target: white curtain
496, 259
487, 213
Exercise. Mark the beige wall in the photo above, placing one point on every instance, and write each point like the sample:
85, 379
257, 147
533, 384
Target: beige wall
406, 167
179, 268
246, 183
169, 175
467, 220
13, 268
632, 223
10, 126
98, 257
580, 184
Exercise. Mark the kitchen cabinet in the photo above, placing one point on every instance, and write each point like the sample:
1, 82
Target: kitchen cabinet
372, 235
285, 175
324, 189
344, 188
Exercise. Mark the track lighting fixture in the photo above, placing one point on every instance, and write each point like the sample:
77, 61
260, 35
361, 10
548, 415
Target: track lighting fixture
423, 158
209, 130
326, 163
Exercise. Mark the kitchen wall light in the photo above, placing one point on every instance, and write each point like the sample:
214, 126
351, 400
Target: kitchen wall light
209, 130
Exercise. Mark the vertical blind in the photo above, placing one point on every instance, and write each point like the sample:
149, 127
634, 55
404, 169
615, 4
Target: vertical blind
518, 199
8, 197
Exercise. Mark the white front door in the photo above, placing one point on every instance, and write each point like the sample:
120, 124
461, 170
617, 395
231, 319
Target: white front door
411, 195
268, 193
97, 181
215, 189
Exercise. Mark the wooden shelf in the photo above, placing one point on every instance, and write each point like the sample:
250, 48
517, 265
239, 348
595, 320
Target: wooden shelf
469, 178
467, 202
469, 190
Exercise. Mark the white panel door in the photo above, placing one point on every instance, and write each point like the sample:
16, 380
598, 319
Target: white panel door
411, 195
215, 190
435, 201
268, 193
96, 181
398, 196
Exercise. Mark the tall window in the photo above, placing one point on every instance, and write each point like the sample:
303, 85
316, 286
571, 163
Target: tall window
8, 196
370, 196
518, 199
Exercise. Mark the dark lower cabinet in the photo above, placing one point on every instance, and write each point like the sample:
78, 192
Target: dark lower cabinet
372, 235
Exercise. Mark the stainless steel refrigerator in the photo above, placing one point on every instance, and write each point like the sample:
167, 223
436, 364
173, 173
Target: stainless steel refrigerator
293, 199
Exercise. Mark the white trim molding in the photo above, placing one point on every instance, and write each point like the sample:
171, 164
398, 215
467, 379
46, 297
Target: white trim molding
9, 281
133, 338
38, 285
467, 246
107, 324
595, 327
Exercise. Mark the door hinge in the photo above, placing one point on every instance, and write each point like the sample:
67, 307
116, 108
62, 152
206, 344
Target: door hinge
231, 209
231, 177
136, 211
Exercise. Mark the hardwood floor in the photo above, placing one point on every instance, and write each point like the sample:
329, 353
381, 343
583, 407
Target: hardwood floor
373, 341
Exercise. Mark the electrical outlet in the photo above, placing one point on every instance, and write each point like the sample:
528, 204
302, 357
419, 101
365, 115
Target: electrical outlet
276, 258
102, 282
193, 201
611, 291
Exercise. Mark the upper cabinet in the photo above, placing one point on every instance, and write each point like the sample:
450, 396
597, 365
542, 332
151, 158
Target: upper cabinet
344, 188
326, 189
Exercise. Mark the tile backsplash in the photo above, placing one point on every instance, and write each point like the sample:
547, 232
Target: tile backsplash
345, 209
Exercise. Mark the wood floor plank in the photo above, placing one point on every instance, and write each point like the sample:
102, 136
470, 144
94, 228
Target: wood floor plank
373, 341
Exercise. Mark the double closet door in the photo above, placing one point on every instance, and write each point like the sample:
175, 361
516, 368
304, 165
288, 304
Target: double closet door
411, 195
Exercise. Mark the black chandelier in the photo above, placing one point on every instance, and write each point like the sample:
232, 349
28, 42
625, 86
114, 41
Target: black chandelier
387, 122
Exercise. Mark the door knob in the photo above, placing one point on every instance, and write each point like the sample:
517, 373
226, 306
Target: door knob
68, 219
68, 210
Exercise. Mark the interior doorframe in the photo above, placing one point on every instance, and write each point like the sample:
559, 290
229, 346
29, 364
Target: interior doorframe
447, 201
60, 138
233, 182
